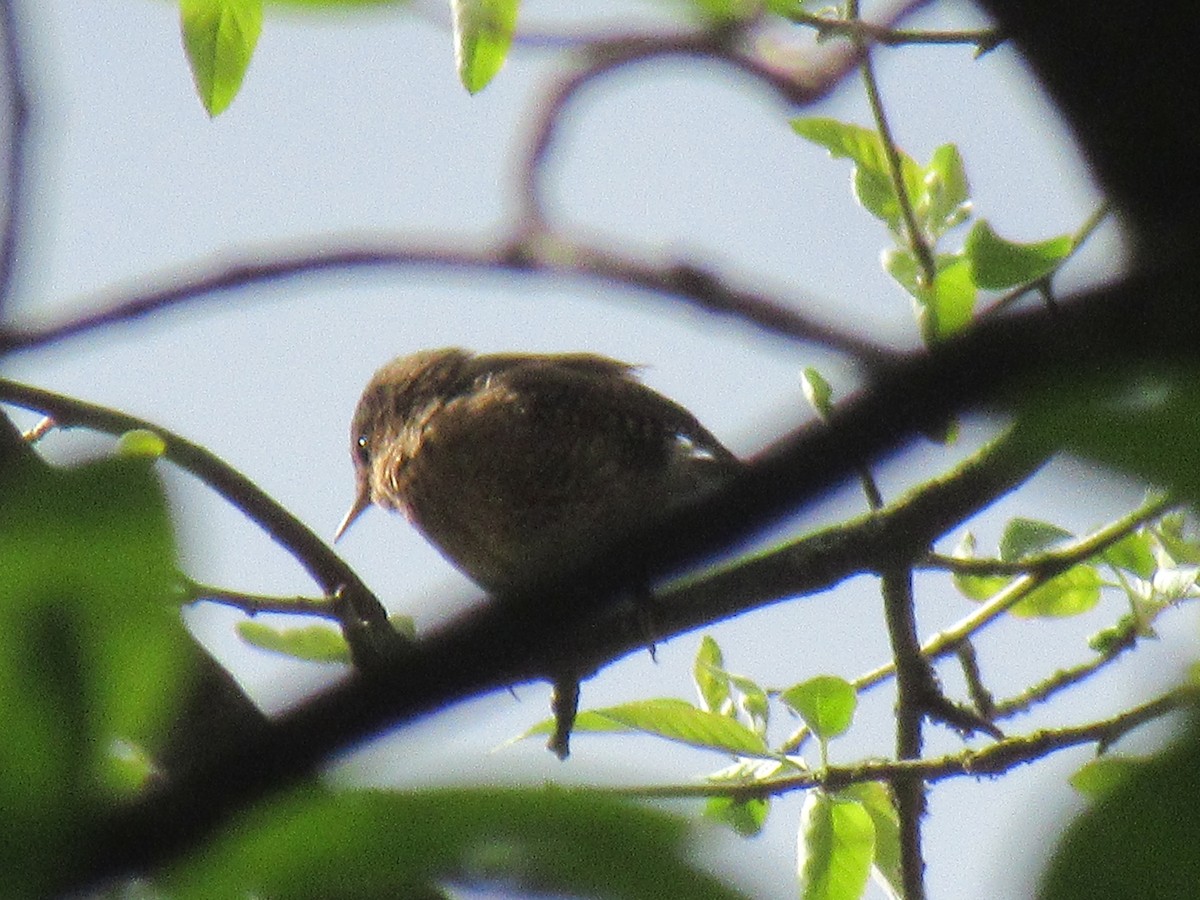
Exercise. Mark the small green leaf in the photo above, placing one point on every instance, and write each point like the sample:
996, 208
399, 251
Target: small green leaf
674, 720
945, 201
1178, 539
817, 392
1133, 553
975, 587
1023, 538
836, 848
998, 264
483, 33
873, 184
219, 37
947, 307
309, 643
141, 443
826, 703
712, 682
745, 817
753, 701
1099, 777
1069, 594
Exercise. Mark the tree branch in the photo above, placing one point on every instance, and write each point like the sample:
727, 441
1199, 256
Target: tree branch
551, 258
364, 620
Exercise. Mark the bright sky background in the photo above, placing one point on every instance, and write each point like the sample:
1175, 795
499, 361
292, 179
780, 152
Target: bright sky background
356, 126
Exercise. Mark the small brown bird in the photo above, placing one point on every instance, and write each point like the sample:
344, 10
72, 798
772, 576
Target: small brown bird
519, 467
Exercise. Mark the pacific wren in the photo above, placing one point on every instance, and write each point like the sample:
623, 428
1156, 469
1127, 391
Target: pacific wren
519, 467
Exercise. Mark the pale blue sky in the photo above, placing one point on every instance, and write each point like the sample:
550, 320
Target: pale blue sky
357, 126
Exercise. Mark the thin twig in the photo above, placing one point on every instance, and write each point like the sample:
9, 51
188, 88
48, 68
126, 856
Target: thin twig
363, 617
706, 290
983, 39
605, 57
1054, 563
15, 176
994, 759
254, 604
914, 233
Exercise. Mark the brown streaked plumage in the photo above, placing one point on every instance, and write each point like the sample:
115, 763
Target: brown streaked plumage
520, 466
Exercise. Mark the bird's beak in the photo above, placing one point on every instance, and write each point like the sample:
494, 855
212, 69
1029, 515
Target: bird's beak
361, 501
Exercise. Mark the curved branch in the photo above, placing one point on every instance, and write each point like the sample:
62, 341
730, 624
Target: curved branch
363, 617
606, 57
712, 293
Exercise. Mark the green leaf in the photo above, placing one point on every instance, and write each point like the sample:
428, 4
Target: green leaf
219, 37
836, 847
945, 200
873, 184
876, 799
309, 643
141, 443
817, 392
1023, 538
711, 680
1133, 553
975, 587
1178, 539
745, 817
753, 701
483, 33
826, 703
948, 307
1075, 591
1140, 839
998, 264
315, 843
92, 648
1099, 777
675, 720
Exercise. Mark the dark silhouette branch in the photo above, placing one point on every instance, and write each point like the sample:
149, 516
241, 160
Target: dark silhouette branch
706, 290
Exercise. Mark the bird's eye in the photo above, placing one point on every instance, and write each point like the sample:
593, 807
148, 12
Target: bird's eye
360, 449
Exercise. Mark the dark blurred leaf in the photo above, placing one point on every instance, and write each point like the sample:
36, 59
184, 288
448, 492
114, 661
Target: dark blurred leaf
372, 844
91, 644
1141, 420
1142, 840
